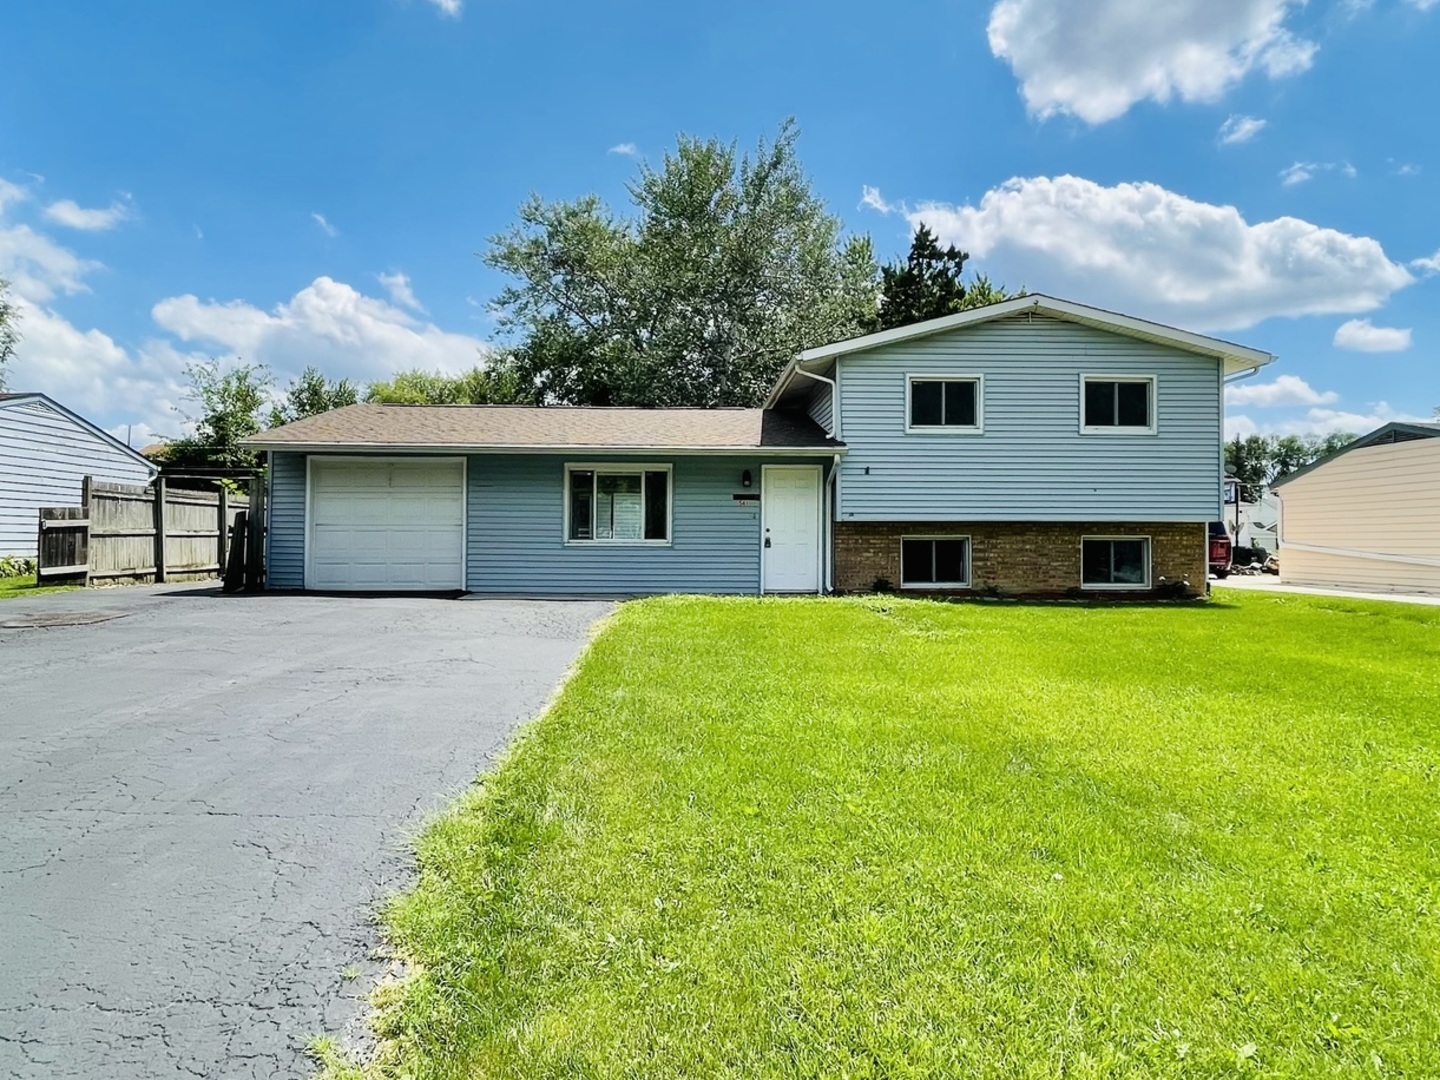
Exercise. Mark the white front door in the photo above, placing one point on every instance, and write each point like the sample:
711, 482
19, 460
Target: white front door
790, 528
386, 525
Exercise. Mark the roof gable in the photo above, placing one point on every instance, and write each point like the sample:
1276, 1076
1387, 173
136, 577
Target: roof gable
1234, 358
11, 400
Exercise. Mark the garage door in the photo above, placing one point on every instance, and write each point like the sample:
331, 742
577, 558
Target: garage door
387, 524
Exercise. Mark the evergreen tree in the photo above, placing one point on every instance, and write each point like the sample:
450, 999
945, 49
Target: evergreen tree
930, 283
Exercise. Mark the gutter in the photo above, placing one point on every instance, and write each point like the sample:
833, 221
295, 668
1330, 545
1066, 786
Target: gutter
476, 448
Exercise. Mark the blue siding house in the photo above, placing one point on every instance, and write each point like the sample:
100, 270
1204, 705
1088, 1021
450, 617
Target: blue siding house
1033, 447
46, 451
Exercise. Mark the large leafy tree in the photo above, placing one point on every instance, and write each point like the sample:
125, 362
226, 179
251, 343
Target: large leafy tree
9, 332
497, 384
930, 283
310, 395
229, 401
726, 265
1259, 460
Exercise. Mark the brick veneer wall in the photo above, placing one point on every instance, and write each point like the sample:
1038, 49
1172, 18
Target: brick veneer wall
1017, 558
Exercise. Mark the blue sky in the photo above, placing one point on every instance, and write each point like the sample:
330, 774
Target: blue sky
310, 181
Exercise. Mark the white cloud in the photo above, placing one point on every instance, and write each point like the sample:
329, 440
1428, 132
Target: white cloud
1240, 129
11, 193
1285, 390
1423, 5
1363, 336
1429, 265
1240, 426
398, 286
1321, 421
871, 197
1303, 171
1140, 248
627, 149
1096, 60
325, 226
328, 324
452, 8
37, 267
1407, 168
72, 215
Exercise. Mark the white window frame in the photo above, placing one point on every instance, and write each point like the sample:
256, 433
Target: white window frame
1121, 587
624, 469
931, 585
911, 378
1153, 428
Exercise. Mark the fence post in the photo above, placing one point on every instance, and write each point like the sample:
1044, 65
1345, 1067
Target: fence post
85, 511
160, 530
255, 540
223, 527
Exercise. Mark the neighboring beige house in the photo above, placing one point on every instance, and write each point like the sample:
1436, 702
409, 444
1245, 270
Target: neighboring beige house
1367, 516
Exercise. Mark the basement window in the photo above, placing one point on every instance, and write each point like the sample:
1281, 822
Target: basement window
1115, 562
935, 562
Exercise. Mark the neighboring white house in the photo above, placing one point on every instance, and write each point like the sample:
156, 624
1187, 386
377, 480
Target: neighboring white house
1366, 516
45, 452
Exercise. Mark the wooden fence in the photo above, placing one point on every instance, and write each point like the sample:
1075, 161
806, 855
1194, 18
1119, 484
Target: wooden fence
130, 533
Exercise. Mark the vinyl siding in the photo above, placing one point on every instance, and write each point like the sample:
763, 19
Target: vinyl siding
1379, 500
44, 457
285, 559
516, 532
1031, 463
818, 407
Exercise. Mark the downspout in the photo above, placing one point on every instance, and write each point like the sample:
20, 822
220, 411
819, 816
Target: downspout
830, 524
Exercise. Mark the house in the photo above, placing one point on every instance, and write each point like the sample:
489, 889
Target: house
1034, 447
1366, 516
46, 451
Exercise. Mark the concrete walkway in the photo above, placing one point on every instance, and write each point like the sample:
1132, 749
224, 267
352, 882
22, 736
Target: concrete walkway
203, 797
1270, 583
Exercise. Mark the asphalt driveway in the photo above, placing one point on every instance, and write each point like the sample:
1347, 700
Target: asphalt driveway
202, 799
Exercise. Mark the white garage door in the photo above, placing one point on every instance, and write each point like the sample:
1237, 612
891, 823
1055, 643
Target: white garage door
387, 524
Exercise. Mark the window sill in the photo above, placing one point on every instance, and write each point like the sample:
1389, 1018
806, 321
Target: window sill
1117, 430
619, 543
943, 429
934, 586
1117, 587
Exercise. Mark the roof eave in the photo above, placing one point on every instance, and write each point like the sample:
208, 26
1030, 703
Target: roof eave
476, 448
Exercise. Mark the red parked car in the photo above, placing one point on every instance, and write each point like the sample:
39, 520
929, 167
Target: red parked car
1222, 549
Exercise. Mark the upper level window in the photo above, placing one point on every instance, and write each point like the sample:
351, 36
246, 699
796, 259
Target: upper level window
625, 504
944, 403
1114, 405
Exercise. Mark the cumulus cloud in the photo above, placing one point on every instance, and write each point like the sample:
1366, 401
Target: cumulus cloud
1240, 129
1363, 336
625, 149
451, 8
1098, 59
37, 267
329, 324
72, 215
1304, 171
871, 197
325, 226
1285, 390
1322, 421
1140, 248
398, 286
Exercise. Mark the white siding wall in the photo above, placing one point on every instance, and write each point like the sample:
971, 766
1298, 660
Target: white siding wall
44, 455
1375, 501
1031, 463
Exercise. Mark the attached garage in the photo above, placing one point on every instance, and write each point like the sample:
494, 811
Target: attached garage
386, 524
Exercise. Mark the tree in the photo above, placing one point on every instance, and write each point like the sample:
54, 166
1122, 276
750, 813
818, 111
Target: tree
1257, 461
725, 268
9, 334
930, 283
310, 395
230, 401
497, 384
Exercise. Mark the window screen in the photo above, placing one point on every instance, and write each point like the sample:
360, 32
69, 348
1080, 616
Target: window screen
950, 403
616, 505
935, 561
1117, 403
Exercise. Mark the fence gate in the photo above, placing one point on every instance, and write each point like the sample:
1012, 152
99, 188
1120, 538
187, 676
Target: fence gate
63, 552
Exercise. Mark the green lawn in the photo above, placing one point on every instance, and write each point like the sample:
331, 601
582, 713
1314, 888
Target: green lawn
891, 838
15, 587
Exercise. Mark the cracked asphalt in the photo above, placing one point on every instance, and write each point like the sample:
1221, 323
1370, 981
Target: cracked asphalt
202, 800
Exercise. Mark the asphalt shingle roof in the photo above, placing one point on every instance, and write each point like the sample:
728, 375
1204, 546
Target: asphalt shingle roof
521, 427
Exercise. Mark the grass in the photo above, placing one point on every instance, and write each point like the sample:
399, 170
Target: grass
14, 588
891, 838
